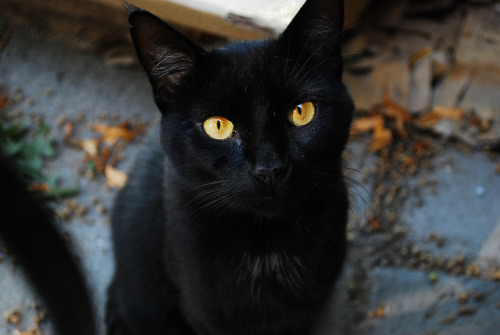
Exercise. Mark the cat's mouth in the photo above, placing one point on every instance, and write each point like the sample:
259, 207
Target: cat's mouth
270, 205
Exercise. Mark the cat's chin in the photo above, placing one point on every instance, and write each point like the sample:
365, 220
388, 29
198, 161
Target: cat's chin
269, 207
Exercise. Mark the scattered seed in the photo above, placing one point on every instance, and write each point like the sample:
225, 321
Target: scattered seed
473, 270
101, 209
49, 92
63, 213
30, 102
81, 210
61, 120
479, 297
448, 319
466, 310
40, 317
463, 297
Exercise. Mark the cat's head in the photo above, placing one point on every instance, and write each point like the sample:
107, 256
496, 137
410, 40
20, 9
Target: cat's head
258, 126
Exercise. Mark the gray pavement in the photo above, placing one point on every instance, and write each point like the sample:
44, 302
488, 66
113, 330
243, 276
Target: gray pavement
431, 271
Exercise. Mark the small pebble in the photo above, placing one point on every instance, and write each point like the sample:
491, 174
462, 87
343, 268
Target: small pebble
49, 92
30, 102
480, 191
102, 210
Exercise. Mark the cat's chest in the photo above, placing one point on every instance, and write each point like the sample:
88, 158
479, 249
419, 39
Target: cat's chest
273, 268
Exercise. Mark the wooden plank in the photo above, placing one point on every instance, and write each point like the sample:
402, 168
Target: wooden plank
368, 90
482, 94
213, 20
452, 87
479, 44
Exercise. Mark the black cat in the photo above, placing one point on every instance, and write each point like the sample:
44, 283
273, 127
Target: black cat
234, 221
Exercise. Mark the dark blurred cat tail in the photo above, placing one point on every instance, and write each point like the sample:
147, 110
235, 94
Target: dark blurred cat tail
26, 226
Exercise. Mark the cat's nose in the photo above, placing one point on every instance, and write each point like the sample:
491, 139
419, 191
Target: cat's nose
271, 175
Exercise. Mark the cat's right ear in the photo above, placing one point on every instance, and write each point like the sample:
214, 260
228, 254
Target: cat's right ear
165, 54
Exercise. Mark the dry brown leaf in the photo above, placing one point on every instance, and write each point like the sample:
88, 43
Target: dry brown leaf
111, 134
364, 124
89, 146
495, 274
427, 121
13, 317
449, 112
498, 169
68, 130
3, 101
375, 225
420, 148
409, 161
114, 177
33, 331
382, 136
102, 160
39, 187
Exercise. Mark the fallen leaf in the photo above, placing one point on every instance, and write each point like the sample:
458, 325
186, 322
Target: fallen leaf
449, 112
102, 160
408, 161
427, 121
111, 134
498, 169
39, 187
382, 136
365, 124
375, 225
495, 274
115, 177
33, 331
3, 101
380, 313
89, 146
68, 130
13, 317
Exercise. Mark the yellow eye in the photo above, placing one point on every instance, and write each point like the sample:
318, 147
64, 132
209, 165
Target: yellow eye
218, 128
302, 114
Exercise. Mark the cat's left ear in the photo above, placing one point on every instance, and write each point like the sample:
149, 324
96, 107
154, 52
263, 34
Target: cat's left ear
316, 31
165, 54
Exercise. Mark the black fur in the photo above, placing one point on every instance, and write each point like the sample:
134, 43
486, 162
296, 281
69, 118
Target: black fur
26, 226
244, 235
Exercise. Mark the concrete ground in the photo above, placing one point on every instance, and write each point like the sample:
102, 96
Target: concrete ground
425, 260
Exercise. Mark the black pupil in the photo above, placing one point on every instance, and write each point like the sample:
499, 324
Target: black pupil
299, 110
218, 124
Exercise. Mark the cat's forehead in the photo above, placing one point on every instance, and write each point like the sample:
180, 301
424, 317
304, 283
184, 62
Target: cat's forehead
245, 74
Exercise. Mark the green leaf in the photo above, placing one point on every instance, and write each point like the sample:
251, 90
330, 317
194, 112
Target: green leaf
43, 145
12, 148
31, 168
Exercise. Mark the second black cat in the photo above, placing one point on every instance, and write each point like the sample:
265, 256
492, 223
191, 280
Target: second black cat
233, 220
